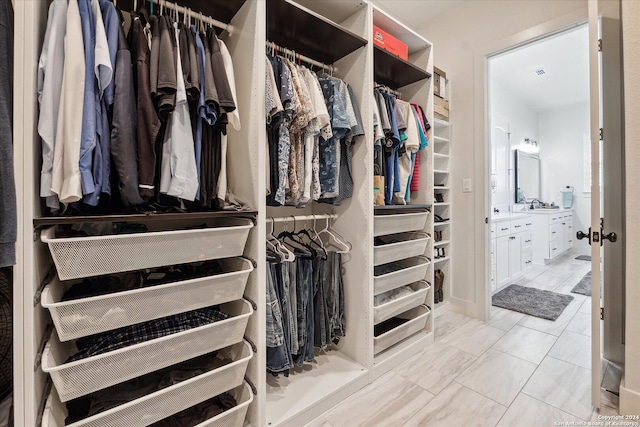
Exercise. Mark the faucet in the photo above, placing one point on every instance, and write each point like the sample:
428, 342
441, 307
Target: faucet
535, 201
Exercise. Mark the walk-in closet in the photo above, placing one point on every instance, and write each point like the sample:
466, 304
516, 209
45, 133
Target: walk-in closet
297, 246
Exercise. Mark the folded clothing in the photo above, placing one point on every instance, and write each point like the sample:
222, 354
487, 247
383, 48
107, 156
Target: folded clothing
146, 331
380, 270
103, 285
199, 413
393, 294
119, 394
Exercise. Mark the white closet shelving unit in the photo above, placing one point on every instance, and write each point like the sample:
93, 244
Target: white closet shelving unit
442, 181
337, 32
412, 80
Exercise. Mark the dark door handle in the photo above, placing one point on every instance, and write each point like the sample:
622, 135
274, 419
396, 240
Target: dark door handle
580, 235
612, 237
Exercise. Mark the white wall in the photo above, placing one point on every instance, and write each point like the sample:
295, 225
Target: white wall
523, 123
630, 390
561, 150
461, 36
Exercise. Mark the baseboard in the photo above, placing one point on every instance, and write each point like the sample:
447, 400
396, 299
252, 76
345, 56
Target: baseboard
629, 400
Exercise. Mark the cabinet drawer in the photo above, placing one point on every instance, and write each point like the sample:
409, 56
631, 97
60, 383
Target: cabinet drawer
555, 218
494, 230
526, 241
555, 230
527, 257
555, 248
504, 229
521, 224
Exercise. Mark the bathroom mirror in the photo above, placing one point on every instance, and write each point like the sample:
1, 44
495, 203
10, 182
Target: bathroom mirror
527, 176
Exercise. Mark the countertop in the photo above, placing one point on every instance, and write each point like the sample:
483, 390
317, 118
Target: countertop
506, 216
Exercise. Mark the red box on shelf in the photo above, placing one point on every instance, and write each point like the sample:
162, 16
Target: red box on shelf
389, 43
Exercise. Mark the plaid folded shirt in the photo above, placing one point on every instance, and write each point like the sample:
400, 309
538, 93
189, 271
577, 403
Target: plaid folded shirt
135, 334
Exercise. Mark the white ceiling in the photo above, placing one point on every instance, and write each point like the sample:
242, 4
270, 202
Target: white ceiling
565, 60
414, 13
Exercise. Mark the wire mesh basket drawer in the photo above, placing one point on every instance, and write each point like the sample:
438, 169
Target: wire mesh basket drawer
400, 246
418, 320
77, 257
84, 376
399, 223
413, 270
235, 416
165, 402
385, 311
87, 316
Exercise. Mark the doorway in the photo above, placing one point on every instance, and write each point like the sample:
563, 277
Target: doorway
539, 185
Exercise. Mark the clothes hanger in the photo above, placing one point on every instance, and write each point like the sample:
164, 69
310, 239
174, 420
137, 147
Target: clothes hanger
301, 249
319, 244
338, 241
287, 255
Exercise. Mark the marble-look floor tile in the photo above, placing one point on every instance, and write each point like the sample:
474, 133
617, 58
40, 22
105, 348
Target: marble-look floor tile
390, 400
562, 385
450, 322
456, 405
319, 422
525, 343
586, 306
504, 319
573, 348
553, 327
581, 324
436, 367
527, 411
498, 376
604, 411
474, 338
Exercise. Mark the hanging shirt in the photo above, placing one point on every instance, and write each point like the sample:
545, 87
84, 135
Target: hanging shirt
179, 177
112, 28
66, 181
147, 123
50, 73
89, 125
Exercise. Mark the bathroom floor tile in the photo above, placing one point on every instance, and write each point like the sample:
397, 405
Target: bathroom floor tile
527, 411
319, 422
373, 405
573, 348
498, 376
525, 343
457, 405
562, 385
581, 324
450, 322
474, 338
436, 367
504, 319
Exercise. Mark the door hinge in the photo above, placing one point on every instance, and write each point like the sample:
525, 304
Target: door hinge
601, 313
486, 220
599, 45
601, 135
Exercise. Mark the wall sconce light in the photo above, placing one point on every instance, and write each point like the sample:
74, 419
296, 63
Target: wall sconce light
530, 145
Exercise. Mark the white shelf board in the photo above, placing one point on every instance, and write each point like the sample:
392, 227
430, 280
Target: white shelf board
440, 122
442, 188
405, 349
440, 139
440, 171
441, 204
437, 260
440, 156
399, 30
441, 243
313, 388
440, 224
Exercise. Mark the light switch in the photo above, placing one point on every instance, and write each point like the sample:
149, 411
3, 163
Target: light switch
466, 185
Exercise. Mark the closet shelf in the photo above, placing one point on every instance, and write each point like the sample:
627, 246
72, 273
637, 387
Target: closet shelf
440, 204
442, 188
385, 209
437, 260
399, 223
82, 219
440, 122
440, 224
440, 156
308, 33
394, 71
440, 171
441, 243
400, 246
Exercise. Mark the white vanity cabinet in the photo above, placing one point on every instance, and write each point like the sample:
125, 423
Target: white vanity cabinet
511, 249
554, 234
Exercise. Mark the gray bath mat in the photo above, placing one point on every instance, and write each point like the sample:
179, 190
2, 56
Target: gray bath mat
584, 286
584, 257
535, 302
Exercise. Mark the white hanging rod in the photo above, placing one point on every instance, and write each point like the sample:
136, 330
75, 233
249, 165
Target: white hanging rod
284, 50
303, 218
190, 13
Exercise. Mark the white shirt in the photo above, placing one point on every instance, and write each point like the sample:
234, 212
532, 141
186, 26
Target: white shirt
66, 160
178, 174
50, 71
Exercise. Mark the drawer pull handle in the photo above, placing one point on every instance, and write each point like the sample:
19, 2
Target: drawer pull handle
503, 229
529, 223
553, 232
518, 226
529, 241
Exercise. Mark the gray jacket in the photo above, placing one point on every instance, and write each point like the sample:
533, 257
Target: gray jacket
8, 227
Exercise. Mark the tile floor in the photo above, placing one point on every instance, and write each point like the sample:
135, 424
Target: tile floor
515, 370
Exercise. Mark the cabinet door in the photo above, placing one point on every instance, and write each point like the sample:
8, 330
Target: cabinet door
569, 233
502, 261
515, 255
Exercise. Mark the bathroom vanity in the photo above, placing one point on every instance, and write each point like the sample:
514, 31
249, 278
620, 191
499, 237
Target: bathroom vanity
553, 229
511, 247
